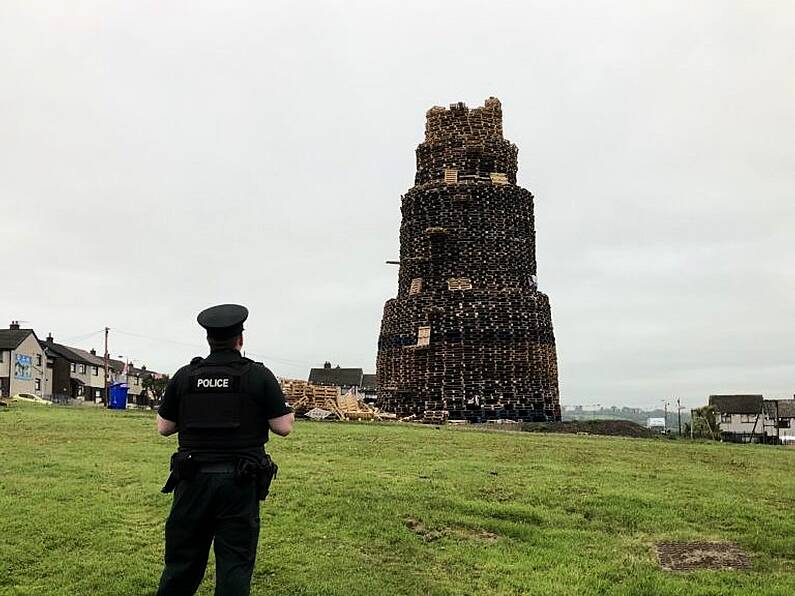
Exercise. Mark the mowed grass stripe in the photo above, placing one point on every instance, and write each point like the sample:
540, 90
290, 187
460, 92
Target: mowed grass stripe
393, 509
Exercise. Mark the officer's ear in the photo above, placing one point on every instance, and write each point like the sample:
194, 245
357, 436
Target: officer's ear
240, 341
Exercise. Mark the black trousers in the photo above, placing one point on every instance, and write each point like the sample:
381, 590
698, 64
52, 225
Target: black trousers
211, 507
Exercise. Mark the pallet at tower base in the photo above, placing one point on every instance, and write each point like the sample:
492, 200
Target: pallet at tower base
469, 336
305, 397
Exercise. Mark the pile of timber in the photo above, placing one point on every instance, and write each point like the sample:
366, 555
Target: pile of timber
468, 334
324, 401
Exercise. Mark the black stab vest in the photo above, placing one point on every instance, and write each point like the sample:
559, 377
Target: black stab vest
218, 411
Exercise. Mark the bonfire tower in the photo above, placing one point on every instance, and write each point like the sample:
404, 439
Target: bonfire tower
469, 336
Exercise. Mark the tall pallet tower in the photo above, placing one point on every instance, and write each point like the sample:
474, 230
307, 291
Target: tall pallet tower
469, 336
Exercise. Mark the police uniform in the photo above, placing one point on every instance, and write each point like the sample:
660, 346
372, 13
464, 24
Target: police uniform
221, 405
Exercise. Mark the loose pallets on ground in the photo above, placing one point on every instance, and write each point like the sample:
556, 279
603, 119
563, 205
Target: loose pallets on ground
305, 397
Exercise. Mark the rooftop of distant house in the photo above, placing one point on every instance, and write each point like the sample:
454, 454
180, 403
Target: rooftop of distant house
340, 377
737, 404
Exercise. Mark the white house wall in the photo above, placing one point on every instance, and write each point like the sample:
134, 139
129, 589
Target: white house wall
6, 359
736, 426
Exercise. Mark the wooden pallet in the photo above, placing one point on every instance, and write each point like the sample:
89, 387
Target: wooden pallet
305, 397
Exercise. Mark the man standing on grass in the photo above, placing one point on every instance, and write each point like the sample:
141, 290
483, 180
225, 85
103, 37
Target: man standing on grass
222, 407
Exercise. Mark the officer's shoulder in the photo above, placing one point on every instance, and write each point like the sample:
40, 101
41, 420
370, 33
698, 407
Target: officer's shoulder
254, 364
185, 370
259, 366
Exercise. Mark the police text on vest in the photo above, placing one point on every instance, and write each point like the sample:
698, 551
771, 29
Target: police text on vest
213, 383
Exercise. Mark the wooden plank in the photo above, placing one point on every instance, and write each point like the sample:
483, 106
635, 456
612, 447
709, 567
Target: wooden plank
424, 336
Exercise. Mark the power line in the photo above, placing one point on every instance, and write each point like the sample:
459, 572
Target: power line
84, 336
200, 346
158, 339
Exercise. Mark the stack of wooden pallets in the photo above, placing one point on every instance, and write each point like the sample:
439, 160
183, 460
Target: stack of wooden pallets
305, 397
468, 333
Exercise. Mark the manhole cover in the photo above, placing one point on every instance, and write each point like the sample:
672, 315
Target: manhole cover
688, 556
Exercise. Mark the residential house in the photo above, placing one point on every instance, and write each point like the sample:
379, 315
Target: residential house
91, 370
740, 417
23, 363
77, 374
368, 387
344, 378
134, 378
779, 421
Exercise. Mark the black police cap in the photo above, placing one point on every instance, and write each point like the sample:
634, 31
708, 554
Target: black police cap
223, 321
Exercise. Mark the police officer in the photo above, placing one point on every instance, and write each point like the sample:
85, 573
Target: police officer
222, 407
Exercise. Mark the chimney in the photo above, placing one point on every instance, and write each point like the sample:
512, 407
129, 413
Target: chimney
327, 364
14, 325
50, 340
93, 352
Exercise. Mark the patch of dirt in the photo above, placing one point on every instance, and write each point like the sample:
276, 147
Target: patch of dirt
419, 528
428, 535
612, 428
477, 534
690, 556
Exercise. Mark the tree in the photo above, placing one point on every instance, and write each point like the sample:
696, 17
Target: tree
155, 386
705, 423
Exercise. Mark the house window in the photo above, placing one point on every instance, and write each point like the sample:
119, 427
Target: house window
416, 286
38, 384
97, 393
81, 391
74, 367
135, 381
747, 418
450, 176
82, 369
95, 370
726, 418
38, 359
2, 355
424, 336
783, 423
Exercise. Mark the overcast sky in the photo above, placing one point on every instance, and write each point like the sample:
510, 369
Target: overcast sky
160, 157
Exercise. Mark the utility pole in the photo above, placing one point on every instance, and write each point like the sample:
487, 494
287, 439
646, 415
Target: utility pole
665, 410
107, 396
679, 414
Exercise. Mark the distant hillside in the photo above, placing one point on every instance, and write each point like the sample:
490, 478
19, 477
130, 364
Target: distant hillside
636, 415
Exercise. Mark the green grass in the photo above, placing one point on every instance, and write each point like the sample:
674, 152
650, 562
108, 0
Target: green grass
389, 509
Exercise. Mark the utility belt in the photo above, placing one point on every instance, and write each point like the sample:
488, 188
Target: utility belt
186, 464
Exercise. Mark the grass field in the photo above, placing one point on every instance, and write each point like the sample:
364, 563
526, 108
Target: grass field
389, 509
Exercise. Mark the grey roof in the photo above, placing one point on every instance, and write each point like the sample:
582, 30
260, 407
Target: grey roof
88, 357
85, 357
341, 377
117, 366
11, 338
784, 408
368, 382
737, 404
63, 351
